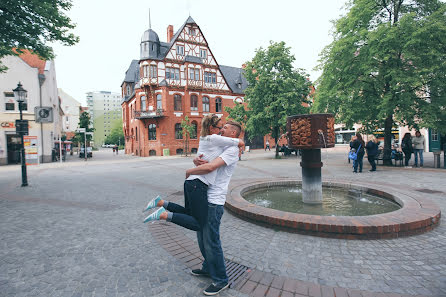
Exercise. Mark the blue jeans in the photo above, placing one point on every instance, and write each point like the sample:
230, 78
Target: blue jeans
417, 152
194, 213
210, 246
357, 162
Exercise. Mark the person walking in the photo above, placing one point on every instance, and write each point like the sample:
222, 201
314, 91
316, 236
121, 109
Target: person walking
358, 144
267, 145
372, 151
406, 147
418, 147
350, 146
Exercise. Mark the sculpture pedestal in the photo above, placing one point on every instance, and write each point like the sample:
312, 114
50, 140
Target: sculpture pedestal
311, 176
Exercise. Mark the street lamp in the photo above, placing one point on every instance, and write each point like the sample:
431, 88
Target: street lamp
20, 95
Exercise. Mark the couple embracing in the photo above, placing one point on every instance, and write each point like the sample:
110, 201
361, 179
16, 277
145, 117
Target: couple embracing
205, 191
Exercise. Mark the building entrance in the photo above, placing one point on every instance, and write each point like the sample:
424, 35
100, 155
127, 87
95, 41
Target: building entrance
14, 143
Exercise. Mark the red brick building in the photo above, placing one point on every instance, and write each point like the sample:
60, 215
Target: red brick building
172, 80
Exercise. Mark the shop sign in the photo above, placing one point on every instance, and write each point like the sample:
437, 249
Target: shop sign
7, 124
31, 151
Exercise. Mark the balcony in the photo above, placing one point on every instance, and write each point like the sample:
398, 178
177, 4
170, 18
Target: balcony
139, 114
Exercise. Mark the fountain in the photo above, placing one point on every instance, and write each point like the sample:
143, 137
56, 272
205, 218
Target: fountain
310, 133
329, 209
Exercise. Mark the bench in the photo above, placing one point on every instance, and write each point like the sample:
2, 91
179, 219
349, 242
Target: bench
394, 155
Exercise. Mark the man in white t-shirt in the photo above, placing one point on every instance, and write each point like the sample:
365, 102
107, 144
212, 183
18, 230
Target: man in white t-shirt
209, 236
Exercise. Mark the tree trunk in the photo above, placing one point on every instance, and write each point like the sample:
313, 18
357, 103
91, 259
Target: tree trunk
388, 140
276, 140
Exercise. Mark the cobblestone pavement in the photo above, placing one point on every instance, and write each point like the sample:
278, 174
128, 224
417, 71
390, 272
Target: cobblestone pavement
77, 231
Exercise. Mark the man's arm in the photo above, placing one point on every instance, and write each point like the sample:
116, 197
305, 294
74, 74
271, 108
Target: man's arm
205, 168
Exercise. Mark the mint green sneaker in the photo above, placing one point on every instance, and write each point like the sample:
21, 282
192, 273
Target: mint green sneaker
152, 204
155, 216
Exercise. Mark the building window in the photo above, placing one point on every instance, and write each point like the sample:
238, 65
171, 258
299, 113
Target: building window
203, 53
192, 32
205, 104
128, 90
179, 151
172, 73
218, 105
193, 102
152, 132
152, 153
194, 74
153, 71
210, 77
136, 133
434, 135
144, 71
177, 102
143, 103
159, 101
178, 131
194, 134
180, 50
24, 105
9, 106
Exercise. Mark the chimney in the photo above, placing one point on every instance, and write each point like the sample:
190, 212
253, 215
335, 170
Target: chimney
169, 33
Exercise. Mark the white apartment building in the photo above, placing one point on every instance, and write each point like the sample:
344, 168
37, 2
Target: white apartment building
38, 77
71, 109
105, 109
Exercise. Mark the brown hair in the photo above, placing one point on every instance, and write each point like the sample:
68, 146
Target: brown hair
210, 120
359, 138
237, 126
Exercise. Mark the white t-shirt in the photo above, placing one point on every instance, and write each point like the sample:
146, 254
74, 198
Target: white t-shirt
218, 190
212, 146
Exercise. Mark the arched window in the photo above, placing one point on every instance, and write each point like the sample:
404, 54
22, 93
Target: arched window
179, 151
218, 105
152, 132
159, 101
143, 103
194, 134
205, 104
136, 133
177, 102
152, 153
178, 131
193, 102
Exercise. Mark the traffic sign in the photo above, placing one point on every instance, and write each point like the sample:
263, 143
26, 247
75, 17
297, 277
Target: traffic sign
43, 114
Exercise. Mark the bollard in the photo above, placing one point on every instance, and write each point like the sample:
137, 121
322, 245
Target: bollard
437, 162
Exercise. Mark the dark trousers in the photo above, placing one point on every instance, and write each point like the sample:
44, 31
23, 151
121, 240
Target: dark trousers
193, 215
407, 156
210, 246
372, 161
357, 162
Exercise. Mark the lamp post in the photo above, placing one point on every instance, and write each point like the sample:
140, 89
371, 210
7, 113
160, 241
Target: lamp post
20, 95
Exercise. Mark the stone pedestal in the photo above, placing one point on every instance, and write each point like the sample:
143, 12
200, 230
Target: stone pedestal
311, 176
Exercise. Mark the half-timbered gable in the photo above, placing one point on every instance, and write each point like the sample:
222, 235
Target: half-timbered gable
174, 79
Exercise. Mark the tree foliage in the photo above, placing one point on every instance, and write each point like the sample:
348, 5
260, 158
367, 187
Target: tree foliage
116, 135
188, 131
275, 91
386, 65
84, 122
31, 24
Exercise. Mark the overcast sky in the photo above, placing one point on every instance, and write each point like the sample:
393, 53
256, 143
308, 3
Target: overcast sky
110, 33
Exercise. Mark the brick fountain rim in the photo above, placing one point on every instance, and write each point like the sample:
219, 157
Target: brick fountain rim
416, 215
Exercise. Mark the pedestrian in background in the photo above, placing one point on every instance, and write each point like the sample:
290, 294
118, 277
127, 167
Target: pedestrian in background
418, 147
267, 145
406, 147
350, 146
372, 151
358, 144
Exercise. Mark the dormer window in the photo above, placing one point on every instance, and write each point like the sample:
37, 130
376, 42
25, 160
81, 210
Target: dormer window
203, 53
180, 50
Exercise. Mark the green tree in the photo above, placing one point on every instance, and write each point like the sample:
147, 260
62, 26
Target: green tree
275, 91
116, 135
31, 24
188, 131
84, 122
386, 66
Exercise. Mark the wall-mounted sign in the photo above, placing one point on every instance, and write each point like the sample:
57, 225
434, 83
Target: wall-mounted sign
7, 124
21, 127
43, 114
